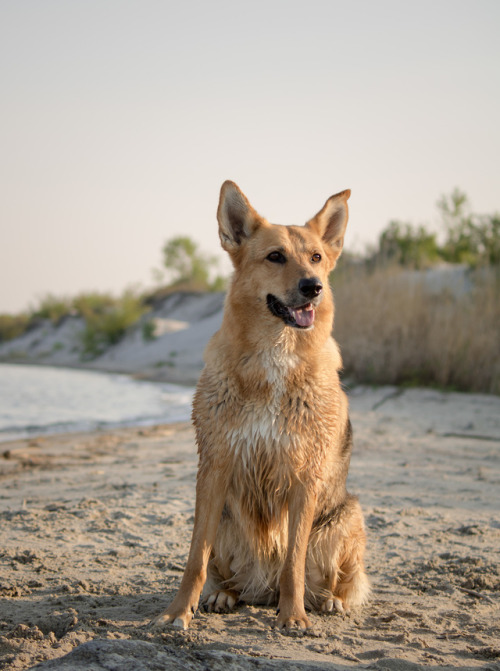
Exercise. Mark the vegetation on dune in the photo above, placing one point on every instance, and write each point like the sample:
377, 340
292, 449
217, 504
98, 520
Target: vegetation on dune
106, 317
13, 326
51, 307
107, 320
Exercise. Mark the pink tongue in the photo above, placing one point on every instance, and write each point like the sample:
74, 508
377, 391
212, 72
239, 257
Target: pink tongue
302, 316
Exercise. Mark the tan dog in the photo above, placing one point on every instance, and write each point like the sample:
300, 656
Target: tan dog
273, 519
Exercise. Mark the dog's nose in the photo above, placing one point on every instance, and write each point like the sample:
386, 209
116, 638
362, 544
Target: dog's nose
310, 287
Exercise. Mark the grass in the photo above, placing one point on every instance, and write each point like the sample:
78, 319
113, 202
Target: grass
393, 331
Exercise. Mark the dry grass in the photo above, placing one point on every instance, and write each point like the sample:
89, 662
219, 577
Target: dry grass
395, 331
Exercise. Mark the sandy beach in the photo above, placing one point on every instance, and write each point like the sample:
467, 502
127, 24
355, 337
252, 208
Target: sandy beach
95, 530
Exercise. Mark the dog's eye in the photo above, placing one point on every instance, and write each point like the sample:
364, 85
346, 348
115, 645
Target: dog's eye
276, 257
316, 258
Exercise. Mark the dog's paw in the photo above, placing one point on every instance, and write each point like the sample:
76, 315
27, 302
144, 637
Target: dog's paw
178, 619
221, 601
292, 621
334, 604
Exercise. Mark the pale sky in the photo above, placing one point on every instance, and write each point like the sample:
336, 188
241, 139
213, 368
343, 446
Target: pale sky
122, 118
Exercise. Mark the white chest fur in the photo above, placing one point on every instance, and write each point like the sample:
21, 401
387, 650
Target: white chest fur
262, 424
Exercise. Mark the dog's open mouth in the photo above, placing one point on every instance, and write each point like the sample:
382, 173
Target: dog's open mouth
301, 317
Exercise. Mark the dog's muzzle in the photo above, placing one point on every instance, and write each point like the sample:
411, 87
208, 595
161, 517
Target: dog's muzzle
301, 317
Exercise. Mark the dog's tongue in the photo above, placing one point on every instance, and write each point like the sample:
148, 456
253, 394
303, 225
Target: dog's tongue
303, 316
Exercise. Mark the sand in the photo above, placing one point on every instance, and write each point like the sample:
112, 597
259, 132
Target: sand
95, 530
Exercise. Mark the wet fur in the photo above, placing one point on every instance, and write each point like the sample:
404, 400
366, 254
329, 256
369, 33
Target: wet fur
274, 522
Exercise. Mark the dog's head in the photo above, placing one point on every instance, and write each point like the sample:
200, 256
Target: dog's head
285, 267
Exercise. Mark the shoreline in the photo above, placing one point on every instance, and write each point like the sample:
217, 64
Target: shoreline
147, 374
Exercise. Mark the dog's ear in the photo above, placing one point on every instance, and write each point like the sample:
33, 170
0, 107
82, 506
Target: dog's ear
330, 222
237, 218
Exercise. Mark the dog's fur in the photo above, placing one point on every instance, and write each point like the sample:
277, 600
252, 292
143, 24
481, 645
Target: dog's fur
273, 519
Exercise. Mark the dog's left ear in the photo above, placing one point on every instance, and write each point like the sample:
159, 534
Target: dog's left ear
330, 222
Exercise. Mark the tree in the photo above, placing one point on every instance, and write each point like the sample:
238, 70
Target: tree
185, 264
470, 238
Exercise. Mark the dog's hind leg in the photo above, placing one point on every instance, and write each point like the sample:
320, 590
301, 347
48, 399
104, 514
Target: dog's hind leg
336, 575
216, 595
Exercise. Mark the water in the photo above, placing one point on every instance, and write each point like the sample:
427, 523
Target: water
39, 399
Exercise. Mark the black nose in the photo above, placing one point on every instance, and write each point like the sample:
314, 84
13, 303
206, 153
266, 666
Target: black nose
310, 287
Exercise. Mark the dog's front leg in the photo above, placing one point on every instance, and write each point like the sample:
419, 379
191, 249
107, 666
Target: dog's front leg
210, 497
291, 611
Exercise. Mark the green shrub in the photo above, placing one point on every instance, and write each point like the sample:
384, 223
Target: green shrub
469, 238
148, 330
407, 245
51, 307
94, 303
107, 319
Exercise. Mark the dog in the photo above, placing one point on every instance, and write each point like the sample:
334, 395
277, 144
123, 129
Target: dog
273, 520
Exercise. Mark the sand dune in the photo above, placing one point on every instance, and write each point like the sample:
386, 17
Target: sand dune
183, 324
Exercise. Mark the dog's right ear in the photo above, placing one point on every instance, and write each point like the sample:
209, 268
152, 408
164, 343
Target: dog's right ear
237, 218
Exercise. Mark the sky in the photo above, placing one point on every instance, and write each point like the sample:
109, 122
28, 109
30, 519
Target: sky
120, 119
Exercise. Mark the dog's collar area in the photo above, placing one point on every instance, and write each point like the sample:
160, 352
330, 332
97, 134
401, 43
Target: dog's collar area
301, 317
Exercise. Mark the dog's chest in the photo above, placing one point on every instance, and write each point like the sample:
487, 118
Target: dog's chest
274, 424
269, 410
259, 428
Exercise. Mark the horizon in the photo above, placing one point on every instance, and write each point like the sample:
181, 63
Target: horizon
122, 120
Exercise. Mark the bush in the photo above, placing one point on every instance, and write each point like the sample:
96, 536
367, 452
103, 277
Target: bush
107, 319
469, 238
12, 326
51, 307
92, 304
407, 245
474, 241
149, 330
